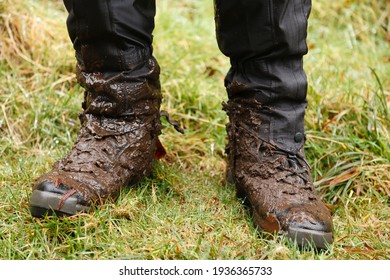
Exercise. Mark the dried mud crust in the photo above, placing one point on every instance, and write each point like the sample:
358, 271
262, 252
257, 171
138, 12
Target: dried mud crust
276, 183
115, 147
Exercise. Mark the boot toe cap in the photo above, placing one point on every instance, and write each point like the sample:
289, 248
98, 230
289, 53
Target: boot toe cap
49, 199
310, 228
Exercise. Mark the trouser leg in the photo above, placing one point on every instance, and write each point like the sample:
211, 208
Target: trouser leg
265, 41
113, 45
111, 35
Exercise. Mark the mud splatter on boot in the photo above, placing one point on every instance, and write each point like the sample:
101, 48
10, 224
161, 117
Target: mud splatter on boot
275, 182
115, 146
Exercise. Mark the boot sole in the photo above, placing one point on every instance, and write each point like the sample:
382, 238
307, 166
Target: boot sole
43, 203
307, 237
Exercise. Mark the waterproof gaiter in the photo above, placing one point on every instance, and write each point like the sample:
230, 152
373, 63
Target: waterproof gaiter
265, 41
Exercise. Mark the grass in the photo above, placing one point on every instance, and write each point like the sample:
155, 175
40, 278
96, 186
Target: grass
186, 211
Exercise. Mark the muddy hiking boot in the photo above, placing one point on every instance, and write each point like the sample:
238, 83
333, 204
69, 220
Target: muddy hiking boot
275, 182
115, 147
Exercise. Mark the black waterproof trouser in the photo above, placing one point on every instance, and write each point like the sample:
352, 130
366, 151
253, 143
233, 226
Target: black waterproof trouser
264, 39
